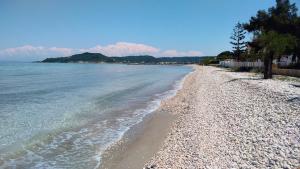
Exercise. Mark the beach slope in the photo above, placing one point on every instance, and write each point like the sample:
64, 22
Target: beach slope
232, 120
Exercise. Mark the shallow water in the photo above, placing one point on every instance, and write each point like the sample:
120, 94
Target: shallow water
65, 115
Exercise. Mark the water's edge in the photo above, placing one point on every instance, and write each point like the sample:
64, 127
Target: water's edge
126, 152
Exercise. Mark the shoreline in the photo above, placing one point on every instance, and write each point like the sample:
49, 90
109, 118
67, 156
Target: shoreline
144, 139
218, 119
139, 143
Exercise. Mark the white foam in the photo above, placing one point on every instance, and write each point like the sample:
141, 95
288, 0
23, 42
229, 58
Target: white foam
141, 113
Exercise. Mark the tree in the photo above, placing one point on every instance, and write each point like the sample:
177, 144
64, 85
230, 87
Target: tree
225, 55
275, 45
276, 32
297, 34
238, 36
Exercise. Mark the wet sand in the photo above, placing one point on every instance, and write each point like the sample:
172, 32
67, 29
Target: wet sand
140, 143
143, 140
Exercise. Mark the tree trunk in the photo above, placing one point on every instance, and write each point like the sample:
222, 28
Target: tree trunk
268, 66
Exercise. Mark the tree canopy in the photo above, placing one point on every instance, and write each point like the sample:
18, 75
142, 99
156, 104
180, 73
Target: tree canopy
225, 55
276, 32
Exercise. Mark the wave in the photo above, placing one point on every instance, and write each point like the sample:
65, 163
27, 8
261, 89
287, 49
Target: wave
142, 113
89, 119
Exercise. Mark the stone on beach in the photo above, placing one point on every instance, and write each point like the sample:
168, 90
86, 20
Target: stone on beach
228, 120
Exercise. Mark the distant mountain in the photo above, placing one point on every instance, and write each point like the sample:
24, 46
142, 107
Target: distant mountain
84, 57
143, 59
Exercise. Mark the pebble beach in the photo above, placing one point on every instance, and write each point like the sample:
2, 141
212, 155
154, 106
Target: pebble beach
227, 119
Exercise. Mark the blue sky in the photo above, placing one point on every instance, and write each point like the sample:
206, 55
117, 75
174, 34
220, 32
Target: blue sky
35, 29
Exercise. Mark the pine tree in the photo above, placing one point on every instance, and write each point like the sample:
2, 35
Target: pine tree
238, 36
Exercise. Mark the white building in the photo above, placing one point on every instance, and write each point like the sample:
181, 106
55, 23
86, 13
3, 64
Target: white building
286, 60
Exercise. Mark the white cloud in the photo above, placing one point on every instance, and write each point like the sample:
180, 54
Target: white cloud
65, 51
123, 49
28, 50
176, 53
23, 49
31, 53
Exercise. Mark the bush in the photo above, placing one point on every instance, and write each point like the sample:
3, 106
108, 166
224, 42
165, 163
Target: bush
256, 70
209, 61
247, 69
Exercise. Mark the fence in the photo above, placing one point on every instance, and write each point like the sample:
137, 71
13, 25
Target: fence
235, 64
259, 64
286, 72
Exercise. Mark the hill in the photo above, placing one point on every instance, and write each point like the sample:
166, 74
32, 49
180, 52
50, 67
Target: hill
142, 59
84, 57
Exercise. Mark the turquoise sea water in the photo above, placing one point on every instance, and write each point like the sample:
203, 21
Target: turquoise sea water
65, 115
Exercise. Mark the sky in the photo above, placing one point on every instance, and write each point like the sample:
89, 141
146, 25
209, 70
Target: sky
36, 29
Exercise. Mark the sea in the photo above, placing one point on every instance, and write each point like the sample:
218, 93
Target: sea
65, 115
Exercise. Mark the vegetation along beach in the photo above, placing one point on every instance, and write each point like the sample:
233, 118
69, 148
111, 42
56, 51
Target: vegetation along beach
146, 84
